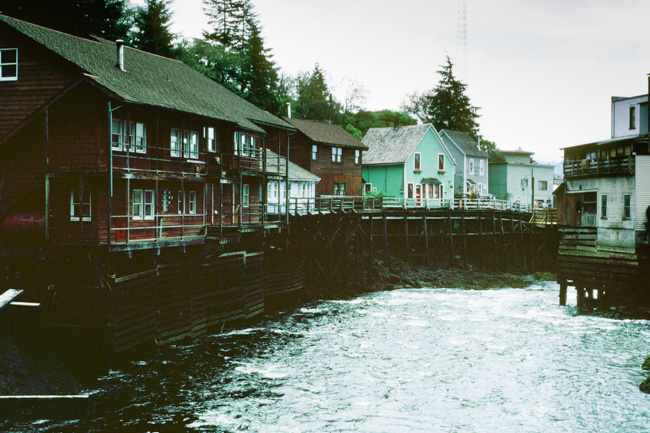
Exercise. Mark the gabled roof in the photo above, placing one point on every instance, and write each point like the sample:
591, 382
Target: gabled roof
464, 142
149, 79
395, 145
296, 172
325, 133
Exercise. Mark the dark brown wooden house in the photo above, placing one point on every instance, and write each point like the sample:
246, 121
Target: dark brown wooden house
103, 144
329, 152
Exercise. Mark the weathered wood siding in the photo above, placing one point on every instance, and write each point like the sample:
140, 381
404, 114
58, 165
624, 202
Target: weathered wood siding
41, 76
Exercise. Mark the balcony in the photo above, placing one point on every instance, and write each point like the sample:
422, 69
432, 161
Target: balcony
621, 165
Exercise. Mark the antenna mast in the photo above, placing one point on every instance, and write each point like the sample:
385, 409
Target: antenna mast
461, 42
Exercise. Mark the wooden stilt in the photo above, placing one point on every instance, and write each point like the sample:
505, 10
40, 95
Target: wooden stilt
481, 240
563, 289
514, 241
494, 238
385, 239
426, 239
451, 241
406, 237
523, 245
503, 241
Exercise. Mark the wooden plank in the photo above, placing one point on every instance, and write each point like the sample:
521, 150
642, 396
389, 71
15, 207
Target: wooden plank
7, 297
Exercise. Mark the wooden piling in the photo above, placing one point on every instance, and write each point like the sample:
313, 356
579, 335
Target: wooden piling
385, 239
563, 290
406, 237
426, 239
451, 241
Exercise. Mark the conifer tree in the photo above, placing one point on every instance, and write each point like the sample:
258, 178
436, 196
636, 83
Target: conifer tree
315, 102
151, 28
446, 106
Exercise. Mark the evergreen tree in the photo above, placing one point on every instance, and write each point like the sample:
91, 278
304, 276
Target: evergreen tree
446, 106
226, 19
364, 120
151, 28
260, 75
315, 102
105, 18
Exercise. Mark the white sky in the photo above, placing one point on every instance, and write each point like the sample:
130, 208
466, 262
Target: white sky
542, 71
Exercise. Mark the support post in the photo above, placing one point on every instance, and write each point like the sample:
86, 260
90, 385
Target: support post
451, 240
385, 239
426, 239
406, 237
563, 288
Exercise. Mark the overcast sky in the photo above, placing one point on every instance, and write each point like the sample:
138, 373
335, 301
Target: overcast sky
542, 71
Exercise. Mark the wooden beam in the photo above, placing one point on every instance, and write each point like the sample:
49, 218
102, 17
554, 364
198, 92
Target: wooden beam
7, 297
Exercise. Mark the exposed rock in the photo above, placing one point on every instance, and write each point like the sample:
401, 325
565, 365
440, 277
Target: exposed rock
645, 386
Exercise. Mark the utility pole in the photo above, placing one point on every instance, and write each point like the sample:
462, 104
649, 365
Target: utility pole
532, 189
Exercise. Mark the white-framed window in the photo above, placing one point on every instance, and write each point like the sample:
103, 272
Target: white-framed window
342, 189
9, 64
543, 185
137, 204
627, 206
143, 204
175, 143
273, 191
191, 144
441, 162
481, 166
314, 152
357, 157
471, 166
80, 206
409, 190
417, 161
304, 189
337, 154
192, 202
246, 194
180, 202
251, 145
211, 143
131, 136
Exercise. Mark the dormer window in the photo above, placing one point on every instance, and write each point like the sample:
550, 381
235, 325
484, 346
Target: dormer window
9, 64
633, 117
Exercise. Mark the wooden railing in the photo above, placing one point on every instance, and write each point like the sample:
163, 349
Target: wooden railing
599, 166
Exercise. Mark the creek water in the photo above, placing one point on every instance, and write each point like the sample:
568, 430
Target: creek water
410, 360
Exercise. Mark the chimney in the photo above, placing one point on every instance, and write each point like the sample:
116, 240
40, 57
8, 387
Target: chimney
289, 110
120, 54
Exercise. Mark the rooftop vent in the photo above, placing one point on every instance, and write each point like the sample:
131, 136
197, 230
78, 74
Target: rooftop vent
120, 54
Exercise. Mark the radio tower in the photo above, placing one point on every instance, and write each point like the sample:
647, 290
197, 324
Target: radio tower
461, 42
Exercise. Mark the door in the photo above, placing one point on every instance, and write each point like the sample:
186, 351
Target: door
418, 195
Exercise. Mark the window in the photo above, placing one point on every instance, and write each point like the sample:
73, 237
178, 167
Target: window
235, 143
633, 117
180, 203
80, 206
191, 145
336, 189
246, 194
314, 152
209, 138
192, 209
131, 136
273, 191
481, 166
367, 187
543, 185
471, 166
627, 206
524, 183
143, 204
175, 143
603, 206
357, 157
341, 189
304, 189
9, 64
137, 204
337, 153
409, 193
417, 161
441, 162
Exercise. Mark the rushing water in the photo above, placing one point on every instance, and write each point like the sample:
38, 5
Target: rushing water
416, 360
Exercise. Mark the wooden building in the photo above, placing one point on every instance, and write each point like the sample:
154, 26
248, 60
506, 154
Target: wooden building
329, 152
107, 145
603, 211
135, 187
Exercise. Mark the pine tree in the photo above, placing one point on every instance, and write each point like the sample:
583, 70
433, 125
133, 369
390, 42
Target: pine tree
315, 102
151, 31
260, 74
226, 19
446, 106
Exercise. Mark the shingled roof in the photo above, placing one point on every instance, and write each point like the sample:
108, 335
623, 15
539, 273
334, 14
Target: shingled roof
392, 145
296, 172
149, 79
464, 142
325, 133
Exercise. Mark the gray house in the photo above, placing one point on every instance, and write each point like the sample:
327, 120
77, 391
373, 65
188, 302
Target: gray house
472, 170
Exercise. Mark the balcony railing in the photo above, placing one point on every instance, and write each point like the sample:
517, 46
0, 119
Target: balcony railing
622, 165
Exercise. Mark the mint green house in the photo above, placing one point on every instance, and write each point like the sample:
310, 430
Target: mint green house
409, 162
